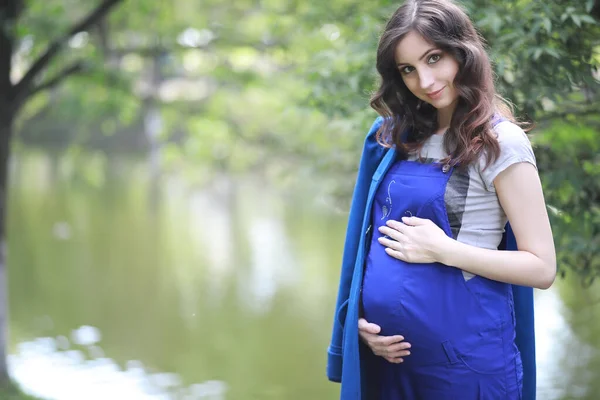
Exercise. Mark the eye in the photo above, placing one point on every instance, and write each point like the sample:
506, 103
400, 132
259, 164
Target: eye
434, 58
406, 70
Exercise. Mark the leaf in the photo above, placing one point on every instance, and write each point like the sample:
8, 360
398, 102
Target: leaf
509, 76
589, 5
552, 52
496, 23
547, 24
576, 19
588, 19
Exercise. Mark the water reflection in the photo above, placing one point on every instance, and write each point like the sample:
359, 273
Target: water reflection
221, 290
552, 332
43, 369
221, 283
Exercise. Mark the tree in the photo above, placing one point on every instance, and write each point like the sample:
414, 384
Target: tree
14, 95
546, 57
568, 157
251, 62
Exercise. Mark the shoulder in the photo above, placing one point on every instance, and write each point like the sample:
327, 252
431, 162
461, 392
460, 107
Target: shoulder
372, 151
515, 147
371, 143
371, 135
511, 135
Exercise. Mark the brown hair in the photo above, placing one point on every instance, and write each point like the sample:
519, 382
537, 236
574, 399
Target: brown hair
447, 26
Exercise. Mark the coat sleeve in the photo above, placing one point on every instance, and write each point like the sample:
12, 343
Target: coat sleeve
371, 155
525, 323
525, 329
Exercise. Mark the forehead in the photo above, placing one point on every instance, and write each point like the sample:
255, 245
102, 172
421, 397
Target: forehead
411, 48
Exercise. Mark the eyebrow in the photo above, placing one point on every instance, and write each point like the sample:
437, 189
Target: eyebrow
420, 58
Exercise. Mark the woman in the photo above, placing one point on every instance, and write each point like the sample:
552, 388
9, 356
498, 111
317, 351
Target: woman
442, 172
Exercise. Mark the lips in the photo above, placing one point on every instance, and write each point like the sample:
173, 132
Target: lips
435, 94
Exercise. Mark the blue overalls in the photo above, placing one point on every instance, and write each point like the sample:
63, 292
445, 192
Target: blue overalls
462, 332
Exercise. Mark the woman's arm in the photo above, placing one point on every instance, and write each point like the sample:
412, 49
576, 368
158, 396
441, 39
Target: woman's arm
534, 264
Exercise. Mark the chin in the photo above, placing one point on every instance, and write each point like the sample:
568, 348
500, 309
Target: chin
441, 103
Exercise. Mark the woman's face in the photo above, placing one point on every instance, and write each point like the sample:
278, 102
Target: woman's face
427, 71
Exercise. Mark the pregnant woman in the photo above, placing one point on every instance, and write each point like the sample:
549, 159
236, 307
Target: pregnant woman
426, 304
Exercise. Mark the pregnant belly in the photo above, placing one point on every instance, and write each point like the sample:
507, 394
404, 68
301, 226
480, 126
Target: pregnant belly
434, 309
425, 303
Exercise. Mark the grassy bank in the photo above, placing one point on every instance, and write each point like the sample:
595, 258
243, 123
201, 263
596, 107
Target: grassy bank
13, 392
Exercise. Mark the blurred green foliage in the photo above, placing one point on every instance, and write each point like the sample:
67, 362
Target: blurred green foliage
13, 392
283, 87
568, 155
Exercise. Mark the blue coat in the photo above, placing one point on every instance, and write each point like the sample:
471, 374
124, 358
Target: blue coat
347, 356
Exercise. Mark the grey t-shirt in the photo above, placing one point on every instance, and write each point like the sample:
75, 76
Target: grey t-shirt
474, 211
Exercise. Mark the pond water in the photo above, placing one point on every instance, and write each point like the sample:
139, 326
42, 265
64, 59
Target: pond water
123, 288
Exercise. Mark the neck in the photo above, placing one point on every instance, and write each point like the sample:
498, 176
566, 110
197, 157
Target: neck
445, 117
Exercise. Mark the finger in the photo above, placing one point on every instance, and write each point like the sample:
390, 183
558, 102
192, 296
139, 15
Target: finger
370, 338
393, 233
397, 225
394, 360
398, 354
397, 347
415, 221
389, 340
392, 244
395, 350
396, 254
367, 327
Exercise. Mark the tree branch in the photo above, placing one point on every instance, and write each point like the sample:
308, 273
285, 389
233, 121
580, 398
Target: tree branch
6, 48
596, 10
23, 87
9, 13
72, 69
10, 10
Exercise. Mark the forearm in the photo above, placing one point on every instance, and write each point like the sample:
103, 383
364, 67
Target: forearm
515, 267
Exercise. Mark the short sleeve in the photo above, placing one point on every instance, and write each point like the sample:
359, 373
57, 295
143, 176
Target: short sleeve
515, 147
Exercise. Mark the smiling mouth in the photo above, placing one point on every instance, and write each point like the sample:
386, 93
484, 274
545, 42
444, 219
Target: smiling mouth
433, 94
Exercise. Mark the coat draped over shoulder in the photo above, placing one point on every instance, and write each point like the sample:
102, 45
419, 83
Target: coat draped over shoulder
347, 357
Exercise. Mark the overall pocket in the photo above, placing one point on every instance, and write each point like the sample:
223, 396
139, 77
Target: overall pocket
489, 298
486, 356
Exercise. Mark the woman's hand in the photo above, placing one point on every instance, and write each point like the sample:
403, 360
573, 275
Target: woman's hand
414, 240
392, 348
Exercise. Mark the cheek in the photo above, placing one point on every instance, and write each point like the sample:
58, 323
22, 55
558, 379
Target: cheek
452, 70
410, 84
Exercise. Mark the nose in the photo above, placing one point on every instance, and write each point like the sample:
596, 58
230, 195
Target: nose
425, 79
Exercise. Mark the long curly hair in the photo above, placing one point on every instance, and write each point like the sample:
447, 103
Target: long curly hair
470, 135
